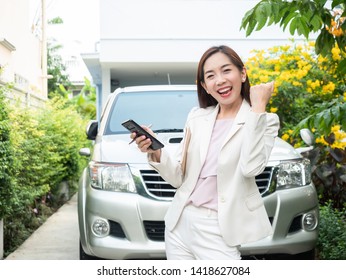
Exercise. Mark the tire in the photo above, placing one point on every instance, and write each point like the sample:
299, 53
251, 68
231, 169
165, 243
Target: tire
309, 255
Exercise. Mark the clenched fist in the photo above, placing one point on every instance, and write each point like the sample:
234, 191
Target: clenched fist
260, 96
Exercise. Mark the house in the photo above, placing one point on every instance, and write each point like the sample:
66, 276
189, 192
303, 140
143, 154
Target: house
21, 53
161, 41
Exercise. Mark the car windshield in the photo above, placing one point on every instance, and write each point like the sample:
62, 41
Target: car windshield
166, 111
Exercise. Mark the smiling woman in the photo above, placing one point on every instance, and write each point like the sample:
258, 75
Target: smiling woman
230, 131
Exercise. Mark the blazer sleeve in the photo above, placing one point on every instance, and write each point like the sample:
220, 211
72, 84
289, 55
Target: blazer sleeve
260, 131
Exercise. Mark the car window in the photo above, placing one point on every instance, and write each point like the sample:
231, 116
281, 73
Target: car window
162, 109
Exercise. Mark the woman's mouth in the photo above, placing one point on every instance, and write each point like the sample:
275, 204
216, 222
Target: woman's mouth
224, 92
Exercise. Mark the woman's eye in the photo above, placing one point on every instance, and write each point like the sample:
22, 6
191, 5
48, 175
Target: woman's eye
210, 77
227, 70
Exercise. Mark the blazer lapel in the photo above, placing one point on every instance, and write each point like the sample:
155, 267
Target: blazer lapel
239, 121
207, 127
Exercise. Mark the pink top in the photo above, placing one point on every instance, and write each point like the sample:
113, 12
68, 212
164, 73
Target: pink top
205, 192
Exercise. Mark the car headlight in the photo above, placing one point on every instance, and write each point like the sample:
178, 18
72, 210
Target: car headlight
294, 173
111, 177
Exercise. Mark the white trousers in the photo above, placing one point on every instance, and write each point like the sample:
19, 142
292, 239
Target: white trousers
197, 237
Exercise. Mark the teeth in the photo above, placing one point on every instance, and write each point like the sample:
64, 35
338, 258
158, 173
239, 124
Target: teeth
222, 91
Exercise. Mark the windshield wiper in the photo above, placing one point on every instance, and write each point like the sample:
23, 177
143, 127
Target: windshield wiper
163, 130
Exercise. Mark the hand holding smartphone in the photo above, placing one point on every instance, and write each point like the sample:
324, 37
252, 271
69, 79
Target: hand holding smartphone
132, 126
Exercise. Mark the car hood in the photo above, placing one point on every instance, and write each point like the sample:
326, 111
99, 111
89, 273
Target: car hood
116, 148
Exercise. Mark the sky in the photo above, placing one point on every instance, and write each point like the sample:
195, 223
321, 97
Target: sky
78, 34
80, 28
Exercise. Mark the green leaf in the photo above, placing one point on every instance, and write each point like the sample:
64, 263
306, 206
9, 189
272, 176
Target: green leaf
336, 112
327, 116
293, 25
262, 12
337, 2
316, 23
287, 17
250, 28
324, 43
342, 66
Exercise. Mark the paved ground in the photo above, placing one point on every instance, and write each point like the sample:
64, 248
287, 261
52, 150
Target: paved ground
56, 239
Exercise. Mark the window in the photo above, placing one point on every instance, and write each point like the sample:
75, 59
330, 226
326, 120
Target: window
161, 109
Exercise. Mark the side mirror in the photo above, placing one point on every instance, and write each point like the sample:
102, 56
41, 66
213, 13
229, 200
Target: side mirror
307, 136
84, 152
91, 129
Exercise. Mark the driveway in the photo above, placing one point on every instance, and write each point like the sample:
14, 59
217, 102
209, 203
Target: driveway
56, 239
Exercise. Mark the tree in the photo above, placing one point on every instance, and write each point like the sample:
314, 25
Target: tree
326, 118
304, 17
6, 156
85, 101
55, 67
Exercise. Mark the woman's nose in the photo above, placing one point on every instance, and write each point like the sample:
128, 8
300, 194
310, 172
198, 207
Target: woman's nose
220, 80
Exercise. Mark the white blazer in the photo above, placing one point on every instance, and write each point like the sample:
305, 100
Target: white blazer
244, 154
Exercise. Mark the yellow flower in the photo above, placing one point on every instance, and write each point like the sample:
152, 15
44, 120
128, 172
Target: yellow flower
322, 141
273, 109
336, 53
339, 145
336, 128
297, 84
297, 145
315, 84
285, 137
264, 79
329, 88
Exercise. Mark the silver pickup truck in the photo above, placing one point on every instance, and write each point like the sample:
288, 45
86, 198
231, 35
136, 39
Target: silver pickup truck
122, 201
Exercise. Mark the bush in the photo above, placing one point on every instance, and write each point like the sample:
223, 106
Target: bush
331, 244
309, 93
45, 145
6, 156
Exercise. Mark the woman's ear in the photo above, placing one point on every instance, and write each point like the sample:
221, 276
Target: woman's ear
243, 75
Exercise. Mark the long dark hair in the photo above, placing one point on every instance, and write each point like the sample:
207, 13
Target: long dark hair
205, 99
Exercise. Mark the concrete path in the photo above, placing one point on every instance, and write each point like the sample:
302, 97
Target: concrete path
56, 239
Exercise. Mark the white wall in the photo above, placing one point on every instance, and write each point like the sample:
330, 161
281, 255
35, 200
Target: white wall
143, 40
199, 22
15, 27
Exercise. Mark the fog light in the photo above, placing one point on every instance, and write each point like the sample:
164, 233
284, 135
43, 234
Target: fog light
309, 221
100, 227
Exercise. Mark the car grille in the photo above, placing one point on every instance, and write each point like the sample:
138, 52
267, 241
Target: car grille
159, 188
155, 230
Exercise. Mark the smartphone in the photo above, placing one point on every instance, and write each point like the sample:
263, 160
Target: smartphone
132, 126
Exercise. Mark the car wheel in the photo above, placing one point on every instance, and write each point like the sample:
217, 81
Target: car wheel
309, 255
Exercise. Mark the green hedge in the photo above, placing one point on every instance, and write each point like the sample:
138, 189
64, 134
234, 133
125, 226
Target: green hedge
331, 243
39, 150
6, 156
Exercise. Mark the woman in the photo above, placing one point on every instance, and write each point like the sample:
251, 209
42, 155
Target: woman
228, 141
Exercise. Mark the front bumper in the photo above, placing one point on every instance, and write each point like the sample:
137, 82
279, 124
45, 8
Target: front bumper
137, 227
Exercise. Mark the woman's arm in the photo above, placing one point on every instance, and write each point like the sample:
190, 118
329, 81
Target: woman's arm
260, 131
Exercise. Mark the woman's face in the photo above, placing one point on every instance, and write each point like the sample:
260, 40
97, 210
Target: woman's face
223, 80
